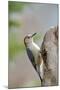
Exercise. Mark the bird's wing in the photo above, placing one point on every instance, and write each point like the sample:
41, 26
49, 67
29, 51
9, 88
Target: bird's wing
31, 57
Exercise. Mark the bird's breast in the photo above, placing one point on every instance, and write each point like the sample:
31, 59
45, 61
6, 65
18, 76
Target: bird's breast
35, 50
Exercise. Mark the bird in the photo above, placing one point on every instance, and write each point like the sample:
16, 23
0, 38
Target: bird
34, 55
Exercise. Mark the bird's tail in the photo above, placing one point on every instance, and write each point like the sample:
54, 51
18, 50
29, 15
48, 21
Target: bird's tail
38, 71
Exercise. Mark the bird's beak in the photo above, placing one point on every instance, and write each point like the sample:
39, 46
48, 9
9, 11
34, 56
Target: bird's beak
33, 34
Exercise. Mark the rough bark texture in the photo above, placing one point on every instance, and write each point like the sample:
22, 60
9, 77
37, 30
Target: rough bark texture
49, 51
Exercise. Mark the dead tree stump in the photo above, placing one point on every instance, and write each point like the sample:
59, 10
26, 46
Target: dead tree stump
49, 52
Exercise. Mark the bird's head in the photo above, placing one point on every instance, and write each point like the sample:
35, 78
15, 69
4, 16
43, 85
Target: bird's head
29, 38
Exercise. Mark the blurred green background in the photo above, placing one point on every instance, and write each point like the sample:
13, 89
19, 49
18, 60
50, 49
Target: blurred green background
14, 47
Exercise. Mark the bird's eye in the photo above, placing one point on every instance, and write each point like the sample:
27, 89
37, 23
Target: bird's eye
28, 37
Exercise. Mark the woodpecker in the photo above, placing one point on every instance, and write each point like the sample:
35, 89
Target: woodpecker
34, 55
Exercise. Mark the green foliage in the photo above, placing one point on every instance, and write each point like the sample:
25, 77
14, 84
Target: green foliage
14, 48
38, 37
14, 23
15, 6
